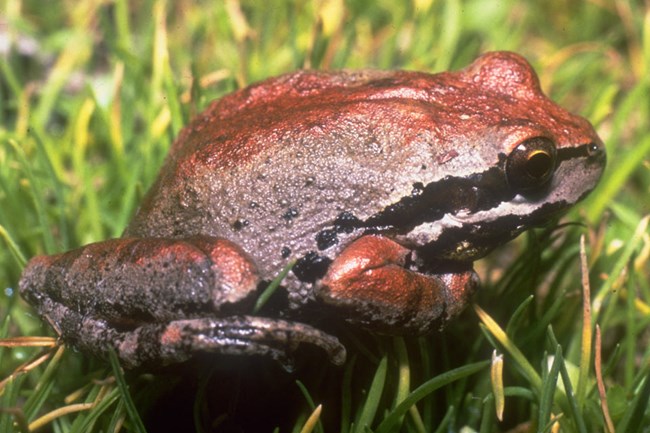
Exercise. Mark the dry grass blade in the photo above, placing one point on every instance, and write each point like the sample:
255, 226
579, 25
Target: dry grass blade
496, 379
57, 413
601, 383
311, 422
585, 352
28, 342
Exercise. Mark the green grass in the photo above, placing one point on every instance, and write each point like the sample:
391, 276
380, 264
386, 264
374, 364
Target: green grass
93, 93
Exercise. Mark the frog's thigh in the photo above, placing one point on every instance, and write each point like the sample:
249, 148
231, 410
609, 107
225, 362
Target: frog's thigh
143, 279
369, 278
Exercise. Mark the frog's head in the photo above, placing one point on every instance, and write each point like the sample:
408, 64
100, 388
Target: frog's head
518, 160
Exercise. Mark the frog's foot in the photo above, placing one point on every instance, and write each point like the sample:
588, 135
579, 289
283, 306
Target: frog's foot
372, 278
179, 340
236, 335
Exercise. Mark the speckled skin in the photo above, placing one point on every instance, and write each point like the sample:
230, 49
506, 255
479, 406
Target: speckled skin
316, 144
384, 186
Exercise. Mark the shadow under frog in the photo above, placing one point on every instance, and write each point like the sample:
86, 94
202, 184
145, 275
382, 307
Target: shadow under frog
383, 186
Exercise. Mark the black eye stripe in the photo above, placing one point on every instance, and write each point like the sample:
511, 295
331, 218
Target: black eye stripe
451, 195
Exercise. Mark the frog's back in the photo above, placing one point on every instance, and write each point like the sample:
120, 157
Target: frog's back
273, 167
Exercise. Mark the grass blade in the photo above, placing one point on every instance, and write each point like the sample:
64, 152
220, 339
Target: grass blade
374, 395
131, 410
388, 424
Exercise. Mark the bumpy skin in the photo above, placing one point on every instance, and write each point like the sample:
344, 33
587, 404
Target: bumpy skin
384, 186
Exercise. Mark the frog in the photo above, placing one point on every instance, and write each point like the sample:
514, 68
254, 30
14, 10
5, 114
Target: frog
377, 189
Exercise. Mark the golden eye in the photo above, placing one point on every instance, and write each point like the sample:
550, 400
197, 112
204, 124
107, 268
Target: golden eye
531, 164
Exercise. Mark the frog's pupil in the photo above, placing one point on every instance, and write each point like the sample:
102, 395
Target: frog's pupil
539, 164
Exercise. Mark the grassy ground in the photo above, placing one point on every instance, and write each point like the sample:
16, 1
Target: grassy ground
93, 92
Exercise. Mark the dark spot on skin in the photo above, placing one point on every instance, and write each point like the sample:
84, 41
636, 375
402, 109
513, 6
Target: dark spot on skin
311, 267
253, 205
285, 252
346, 222
326, 239
240, 224
290, 214
418, 189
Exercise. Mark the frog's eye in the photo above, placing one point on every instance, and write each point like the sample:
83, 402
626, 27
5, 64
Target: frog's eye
531, 164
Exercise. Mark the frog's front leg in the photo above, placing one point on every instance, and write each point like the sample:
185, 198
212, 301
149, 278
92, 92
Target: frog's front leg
157, 300
375, 280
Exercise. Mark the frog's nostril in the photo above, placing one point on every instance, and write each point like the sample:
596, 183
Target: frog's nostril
595, 151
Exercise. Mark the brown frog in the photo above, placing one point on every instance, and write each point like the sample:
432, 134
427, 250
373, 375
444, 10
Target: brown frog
384, 187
